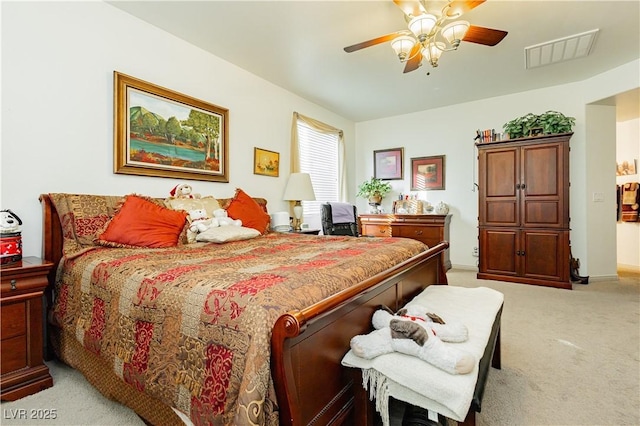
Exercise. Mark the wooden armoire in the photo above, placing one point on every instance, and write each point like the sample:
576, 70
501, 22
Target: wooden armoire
523, 210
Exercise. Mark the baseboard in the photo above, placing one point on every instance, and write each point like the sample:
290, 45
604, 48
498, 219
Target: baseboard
622, 268
465, 267
628, 268
603, 278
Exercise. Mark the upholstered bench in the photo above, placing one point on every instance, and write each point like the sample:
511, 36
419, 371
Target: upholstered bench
417, 416
422, 385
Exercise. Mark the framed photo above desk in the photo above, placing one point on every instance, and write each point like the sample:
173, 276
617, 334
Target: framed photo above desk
427, 173
387, 164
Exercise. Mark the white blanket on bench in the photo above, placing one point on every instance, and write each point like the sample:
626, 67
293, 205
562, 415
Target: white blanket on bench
417, 382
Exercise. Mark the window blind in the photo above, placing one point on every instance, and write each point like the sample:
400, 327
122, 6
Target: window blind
319, 158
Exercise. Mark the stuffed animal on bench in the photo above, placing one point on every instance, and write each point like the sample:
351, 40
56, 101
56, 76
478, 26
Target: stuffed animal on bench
415, 332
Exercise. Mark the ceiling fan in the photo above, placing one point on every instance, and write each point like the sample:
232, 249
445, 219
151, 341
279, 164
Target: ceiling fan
430, 33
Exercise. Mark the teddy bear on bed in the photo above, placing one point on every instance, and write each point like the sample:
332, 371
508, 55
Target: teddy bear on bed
183, 190
415, 332
200, 221
223, 219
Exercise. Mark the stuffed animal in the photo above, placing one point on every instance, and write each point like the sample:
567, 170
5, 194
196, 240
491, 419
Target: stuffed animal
9, 222
417, 333
223, 218
200, 221
183, 190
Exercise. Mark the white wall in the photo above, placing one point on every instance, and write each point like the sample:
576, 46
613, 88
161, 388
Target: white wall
600, 180
58, 60
450, 131
628, 233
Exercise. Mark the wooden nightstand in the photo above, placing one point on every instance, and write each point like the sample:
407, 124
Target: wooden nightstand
23, 371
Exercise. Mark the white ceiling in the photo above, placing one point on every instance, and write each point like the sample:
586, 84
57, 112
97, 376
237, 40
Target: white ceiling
298, 45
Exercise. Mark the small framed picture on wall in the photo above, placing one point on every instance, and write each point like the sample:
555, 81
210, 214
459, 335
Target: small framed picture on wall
387, 164
427, 173
266, 162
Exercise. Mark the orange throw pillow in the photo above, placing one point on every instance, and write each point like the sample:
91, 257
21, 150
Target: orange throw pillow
142, 223
251, 214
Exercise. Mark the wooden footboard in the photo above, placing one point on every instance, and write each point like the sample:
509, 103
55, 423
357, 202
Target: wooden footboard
307, 346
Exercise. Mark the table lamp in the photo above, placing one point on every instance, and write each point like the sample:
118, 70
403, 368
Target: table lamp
298, 189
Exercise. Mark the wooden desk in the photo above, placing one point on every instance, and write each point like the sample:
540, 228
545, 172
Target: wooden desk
428, 228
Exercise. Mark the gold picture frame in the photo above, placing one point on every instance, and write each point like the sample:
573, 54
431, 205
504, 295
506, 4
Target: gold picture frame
162, 133
266, 163
427, 173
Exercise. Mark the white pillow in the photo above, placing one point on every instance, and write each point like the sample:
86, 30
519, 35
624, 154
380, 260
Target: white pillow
223, 234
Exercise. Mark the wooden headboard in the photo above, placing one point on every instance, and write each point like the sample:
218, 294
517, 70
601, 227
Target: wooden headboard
52, 230
51, 234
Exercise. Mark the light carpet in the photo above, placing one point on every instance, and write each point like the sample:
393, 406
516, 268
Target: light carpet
568, 358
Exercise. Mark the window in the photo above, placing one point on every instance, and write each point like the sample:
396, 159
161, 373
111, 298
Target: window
319, 151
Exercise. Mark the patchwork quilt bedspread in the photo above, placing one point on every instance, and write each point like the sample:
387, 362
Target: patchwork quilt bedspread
191, 325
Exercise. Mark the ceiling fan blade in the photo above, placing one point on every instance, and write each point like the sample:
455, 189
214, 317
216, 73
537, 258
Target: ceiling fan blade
410, 7
457, 8
486, 36
415, 59
373, 42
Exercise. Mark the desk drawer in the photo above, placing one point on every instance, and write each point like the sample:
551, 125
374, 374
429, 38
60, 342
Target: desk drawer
430, 235
376, 230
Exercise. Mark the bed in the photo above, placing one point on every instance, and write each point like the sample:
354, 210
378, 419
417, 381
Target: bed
251, 351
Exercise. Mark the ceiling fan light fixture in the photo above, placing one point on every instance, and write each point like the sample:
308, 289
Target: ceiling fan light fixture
402, 45
455, 32
432, 52
423, 25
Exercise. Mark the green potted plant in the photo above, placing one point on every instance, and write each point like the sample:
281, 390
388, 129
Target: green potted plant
521, 126
549, 123
374, 190
556, 122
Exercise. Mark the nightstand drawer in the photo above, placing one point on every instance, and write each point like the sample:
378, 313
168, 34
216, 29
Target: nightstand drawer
19, 285
376, 230
14, 321
14, 354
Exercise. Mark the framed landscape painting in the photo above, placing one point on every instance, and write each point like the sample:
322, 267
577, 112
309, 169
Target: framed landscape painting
427, 173
266, 162
387, 163
159, 132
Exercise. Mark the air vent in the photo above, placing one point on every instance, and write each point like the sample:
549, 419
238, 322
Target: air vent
560, 50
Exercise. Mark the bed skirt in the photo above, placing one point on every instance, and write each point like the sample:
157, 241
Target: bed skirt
102, 377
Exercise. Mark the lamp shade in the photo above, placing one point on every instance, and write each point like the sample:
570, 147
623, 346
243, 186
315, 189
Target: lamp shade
299, 188
432, 52
402, 45
455, 32
422, 25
